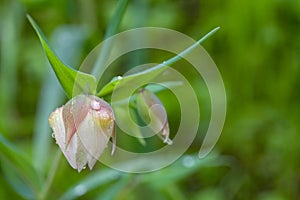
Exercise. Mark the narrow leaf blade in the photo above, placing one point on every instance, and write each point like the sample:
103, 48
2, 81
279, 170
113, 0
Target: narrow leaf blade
111, 30
150, 73
73, 82
22, 176
91, 182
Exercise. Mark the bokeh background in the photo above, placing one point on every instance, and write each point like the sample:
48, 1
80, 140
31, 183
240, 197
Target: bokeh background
256, 50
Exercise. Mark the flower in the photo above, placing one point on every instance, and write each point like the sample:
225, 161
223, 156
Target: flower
82, 128
153, 113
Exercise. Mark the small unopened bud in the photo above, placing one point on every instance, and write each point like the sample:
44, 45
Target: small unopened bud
82, 128
153, 113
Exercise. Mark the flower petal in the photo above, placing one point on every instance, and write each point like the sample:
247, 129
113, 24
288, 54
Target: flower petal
74, 113
58, 127
71, 150
82, 129
153, 113
96, 129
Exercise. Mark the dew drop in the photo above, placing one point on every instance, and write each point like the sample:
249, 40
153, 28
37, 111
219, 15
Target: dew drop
95, 105
53, 135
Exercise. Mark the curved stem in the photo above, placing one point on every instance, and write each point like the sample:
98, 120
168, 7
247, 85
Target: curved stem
52, 172
111, 30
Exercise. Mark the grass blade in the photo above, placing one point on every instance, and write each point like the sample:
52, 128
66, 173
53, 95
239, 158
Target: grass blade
111, 30
18, 169
150, 73
91, 182
73, 82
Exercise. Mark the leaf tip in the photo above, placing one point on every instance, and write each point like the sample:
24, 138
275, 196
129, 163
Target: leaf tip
30, 19
214, 30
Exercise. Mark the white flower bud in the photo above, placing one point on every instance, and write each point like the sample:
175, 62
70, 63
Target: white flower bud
82, 128
152, 112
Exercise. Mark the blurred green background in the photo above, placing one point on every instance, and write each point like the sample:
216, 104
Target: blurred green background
257, 51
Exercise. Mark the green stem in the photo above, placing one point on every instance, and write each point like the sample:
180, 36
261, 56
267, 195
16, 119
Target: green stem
107, 89
111, 30
46, 187
188, 50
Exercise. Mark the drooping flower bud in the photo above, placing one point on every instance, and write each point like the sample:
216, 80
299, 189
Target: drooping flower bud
82, 128
153, 113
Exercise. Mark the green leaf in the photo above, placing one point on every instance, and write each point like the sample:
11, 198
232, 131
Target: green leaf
148, 74
51, 95
111, 30
108, 88
73, 82
16, 181
92, 181
112, 191
155, 88
182, 168
18, 170
134, 79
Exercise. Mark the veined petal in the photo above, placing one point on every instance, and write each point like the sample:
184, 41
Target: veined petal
73, 155
164, 134
74, 113
57, 124
71, 149
82, 129
153, 113
91, 161
96, 129
92, 138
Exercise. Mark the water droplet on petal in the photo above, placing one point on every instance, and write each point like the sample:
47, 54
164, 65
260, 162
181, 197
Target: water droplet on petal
95, 105
53, 135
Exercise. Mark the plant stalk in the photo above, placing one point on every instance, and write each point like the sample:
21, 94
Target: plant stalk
46, 187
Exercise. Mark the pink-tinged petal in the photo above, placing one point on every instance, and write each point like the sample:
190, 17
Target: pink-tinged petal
71, 150
81, 155
105, 119
153, 113
91, 161
92, 138
96, 129
74, 113
58, 127
82, 129
164, 134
